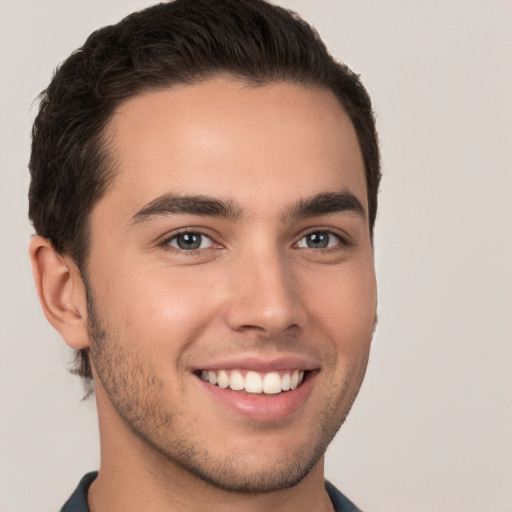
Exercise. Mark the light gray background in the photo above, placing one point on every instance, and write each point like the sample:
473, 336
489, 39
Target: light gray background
432, 427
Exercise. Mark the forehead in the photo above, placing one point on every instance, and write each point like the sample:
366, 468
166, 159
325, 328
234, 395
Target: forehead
238, 141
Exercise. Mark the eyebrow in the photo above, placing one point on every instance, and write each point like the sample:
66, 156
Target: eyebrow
172, 204
326, 203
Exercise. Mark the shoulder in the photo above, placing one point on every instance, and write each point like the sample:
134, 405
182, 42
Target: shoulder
78, 500
340, 501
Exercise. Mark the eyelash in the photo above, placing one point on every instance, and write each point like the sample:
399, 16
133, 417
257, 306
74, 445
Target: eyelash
341, 241
166, 243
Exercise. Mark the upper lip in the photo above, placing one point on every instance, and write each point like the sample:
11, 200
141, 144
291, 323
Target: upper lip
261, 363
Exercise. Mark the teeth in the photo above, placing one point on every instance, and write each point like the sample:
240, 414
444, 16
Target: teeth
285, 382
223, 379
295, 380
270, 383
253, 383
236, 381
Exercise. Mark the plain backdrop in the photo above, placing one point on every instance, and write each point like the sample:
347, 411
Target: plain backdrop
432, 427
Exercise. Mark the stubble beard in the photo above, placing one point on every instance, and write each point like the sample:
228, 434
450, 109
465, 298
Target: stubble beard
134, 390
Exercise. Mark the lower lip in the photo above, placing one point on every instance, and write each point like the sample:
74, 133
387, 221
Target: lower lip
262, 407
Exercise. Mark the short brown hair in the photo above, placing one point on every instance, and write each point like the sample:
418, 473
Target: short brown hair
180, 42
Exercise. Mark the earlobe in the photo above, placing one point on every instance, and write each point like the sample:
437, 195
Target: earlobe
61, 292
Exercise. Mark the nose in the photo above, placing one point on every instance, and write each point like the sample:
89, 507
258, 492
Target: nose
265, 296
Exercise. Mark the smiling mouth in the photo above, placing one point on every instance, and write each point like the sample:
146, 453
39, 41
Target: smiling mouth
271, 383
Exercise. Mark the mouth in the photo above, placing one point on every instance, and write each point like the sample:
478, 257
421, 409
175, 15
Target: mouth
253, 382
255, 388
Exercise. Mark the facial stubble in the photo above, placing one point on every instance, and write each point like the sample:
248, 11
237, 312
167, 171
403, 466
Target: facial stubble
136, 393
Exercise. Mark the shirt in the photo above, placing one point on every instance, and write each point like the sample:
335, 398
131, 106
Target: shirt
78, 500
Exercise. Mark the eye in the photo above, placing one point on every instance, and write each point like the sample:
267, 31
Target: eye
319, 240
190, 241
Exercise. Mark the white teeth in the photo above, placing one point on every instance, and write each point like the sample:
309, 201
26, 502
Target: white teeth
253, 383
295, 380
236, 381
285, 382
270, 383
223, 379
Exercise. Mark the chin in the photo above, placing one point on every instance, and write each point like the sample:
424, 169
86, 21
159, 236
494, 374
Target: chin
258, 474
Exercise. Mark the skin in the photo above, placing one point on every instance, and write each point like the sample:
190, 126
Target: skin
157, 313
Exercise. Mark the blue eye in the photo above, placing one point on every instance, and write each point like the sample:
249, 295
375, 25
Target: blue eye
319, 240
190, 241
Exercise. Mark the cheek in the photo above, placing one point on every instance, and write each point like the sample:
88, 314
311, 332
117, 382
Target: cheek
344, 304
156, 307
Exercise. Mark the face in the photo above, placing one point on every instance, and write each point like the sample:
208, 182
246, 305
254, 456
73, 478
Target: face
231, 279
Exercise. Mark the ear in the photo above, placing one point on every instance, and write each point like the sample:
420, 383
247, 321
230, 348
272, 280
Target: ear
61, 292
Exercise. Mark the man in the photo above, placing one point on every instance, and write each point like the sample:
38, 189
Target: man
204, 191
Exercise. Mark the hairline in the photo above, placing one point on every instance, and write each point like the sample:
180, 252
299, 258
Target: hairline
108, 164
